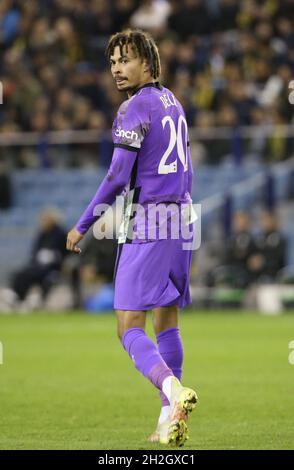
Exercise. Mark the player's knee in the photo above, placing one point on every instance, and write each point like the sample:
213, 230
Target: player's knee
134, 320
165, 318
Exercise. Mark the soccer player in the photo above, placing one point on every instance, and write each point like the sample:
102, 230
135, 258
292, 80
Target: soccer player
151, 156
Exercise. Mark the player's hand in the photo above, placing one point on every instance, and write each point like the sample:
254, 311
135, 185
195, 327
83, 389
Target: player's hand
73, 238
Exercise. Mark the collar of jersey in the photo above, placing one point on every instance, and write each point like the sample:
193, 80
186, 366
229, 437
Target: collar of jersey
151, 84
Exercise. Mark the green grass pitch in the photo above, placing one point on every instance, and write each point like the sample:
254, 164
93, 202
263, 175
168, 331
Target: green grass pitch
66, 383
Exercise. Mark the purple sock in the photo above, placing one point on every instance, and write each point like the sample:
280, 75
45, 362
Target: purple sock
145, 355
170, 347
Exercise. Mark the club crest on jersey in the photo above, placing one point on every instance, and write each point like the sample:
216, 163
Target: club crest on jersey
126, 134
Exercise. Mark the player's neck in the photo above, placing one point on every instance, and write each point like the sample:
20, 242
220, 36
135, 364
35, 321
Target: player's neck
134, 90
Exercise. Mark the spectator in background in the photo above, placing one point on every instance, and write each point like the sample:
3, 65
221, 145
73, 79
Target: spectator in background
256, 259
96, 264
205, 150
189, 17
123, 10
9, 22
151, 15
226, 17
46, 260
68, 41
5, 187
240, 248
270, 257
278, 146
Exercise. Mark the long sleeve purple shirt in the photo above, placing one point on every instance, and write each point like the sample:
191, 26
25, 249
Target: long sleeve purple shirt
151, 153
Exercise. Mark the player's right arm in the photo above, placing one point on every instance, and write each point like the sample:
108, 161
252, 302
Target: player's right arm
130, 128
112, 185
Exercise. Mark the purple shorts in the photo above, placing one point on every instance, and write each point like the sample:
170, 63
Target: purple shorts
152, 274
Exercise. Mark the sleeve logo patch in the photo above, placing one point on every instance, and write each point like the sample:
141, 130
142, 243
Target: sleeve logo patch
126, 134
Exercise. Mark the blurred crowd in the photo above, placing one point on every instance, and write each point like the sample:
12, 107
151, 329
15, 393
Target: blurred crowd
229, 61
250, 257
237, 262
49, 266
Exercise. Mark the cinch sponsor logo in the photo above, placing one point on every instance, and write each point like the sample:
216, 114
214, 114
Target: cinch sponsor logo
128, 134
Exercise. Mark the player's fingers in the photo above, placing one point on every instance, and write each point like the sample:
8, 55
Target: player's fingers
69, 245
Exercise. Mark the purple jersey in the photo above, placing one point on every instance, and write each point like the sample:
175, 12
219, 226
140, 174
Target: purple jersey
151, 154
152, 123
